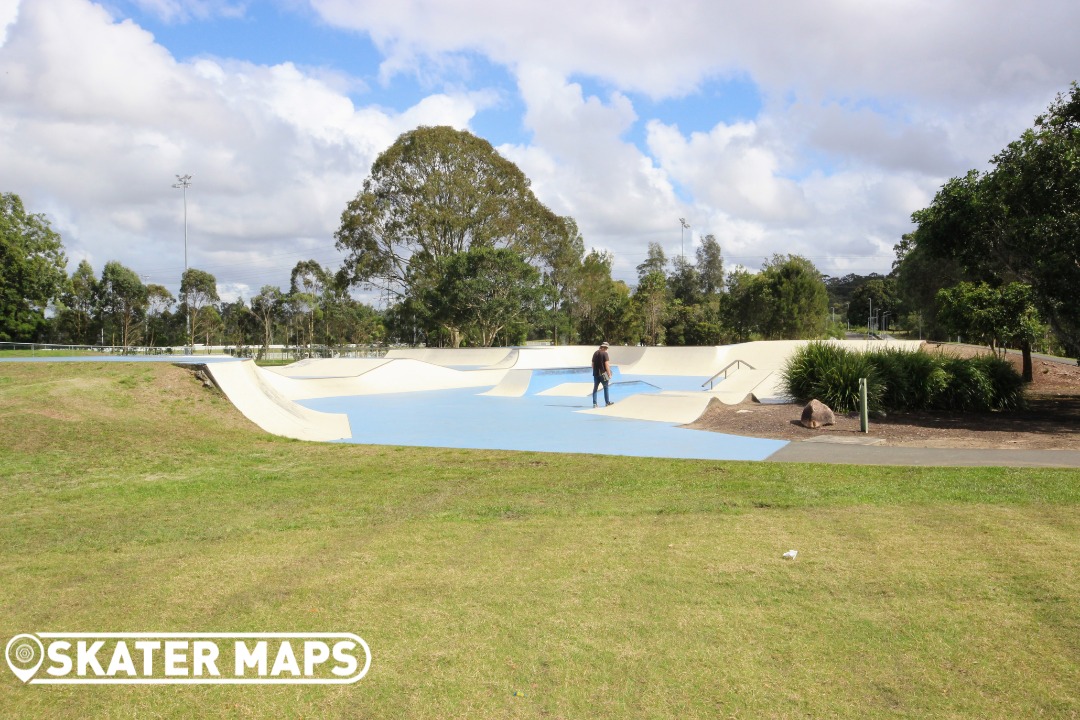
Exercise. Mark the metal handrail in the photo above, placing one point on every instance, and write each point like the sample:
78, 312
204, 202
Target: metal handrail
724, 372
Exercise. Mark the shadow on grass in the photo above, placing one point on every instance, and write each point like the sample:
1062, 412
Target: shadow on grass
1044, 414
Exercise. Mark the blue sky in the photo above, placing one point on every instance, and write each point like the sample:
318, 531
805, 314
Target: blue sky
788, 127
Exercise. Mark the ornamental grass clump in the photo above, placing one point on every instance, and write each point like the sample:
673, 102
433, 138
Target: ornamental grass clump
830, 373
900, 379
913, 379
969, 388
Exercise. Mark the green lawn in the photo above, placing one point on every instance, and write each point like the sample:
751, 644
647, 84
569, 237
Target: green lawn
5, 354
499, 584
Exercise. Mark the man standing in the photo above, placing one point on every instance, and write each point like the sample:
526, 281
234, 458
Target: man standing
601, 372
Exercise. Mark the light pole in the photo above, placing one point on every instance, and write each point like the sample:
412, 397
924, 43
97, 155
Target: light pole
183, 182
685, 226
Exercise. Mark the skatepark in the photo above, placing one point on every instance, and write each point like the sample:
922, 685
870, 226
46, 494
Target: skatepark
528, 398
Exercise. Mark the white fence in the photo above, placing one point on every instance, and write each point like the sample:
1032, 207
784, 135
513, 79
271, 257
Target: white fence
272, 353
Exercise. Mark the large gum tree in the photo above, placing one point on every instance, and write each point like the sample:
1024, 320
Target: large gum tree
436, 192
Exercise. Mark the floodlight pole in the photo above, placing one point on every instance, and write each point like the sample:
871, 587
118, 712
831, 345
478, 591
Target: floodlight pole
682, 247
183, 182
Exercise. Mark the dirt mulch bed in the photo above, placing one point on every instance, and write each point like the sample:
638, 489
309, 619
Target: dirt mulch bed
1050, 422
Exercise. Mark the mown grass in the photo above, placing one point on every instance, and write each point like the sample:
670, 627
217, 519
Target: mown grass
497, 584
18, 354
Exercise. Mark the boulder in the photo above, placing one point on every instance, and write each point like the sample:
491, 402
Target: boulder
817, 414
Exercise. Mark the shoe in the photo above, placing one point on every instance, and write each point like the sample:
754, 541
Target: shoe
610, 404
594, 406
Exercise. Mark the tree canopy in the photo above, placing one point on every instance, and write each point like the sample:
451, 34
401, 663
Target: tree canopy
124, 297
482, 293
436, 192
198, 292
32, 269
1021, 220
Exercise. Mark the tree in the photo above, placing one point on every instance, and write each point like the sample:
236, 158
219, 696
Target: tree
483, 292
307, 283
32, 269
124, 299
75, 318
684, 282
919, 277
266, 307
710, 266
198, 290
998, 317
693, 324
651, 303
798, 302
1020, 221
561, 255
601, 306
239, 325
434, 193
877, 295
655, 262
158, 302
357, 323
746, 306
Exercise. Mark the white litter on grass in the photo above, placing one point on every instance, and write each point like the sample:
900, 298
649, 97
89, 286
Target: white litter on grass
790, 554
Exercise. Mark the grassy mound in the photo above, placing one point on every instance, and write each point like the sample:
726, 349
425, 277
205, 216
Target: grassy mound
499, 584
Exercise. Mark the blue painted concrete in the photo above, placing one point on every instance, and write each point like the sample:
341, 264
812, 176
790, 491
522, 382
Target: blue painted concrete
467, 419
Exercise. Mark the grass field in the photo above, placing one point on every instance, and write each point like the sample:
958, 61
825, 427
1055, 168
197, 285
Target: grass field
520, 585
14, 354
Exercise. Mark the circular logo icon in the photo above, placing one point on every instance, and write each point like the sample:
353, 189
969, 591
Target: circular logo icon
24, 655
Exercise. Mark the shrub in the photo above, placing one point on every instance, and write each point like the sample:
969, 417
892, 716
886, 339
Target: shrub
969, 388
1007, 385
900, 379
831, 374
912, 379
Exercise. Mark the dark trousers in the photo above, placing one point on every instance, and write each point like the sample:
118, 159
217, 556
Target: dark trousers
597, 381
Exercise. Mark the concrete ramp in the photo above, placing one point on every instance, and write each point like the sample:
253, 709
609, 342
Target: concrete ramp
740, 383
393, 376
702, 361
680, 408
415, 376
514, 384
245, 385
770, 390
451, 357
624, 355
549, 358
569, 389
331, 367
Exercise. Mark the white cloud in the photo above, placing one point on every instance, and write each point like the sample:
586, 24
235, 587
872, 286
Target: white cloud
9, 10
952, 53
581, 167
732, 168
865, 110
867, 107
97, 120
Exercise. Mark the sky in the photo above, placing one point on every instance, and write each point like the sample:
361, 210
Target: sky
791, 126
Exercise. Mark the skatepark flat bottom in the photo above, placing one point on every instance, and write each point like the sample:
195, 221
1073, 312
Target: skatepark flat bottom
465, 419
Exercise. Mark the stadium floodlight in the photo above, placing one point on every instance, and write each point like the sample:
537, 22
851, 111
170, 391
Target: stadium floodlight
183, 182
685, 226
